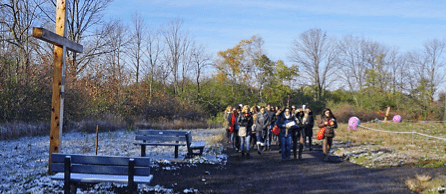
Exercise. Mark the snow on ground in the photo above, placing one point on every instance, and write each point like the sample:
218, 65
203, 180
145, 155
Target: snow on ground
24, 162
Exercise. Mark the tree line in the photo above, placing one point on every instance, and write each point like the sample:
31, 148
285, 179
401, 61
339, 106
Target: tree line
136, 71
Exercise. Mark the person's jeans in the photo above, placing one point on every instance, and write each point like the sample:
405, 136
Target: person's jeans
259, 137
285, 144
244, 143
269, 137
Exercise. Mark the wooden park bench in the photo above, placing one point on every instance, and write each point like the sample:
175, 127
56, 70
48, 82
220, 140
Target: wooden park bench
145, 138
96, 169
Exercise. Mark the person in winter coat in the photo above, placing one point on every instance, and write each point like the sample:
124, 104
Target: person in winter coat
262, 123
245, 122
226, 114
298, 134
253, 111
329, 122
233, 129
286, 122
272, 122
308, 124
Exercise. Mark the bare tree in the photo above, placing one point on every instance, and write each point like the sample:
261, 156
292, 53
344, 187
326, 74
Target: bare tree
200, 59
428, 66
152, 51
176, 46
136, 51
17, 17
118, 42
82, 17
315, 56
352, 61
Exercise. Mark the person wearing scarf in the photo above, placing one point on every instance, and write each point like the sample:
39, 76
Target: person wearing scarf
245, 122
286, 122
329, 122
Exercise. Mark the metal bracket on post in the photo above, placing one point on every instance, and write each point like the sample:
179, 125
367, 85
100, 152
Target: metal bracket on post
62, 97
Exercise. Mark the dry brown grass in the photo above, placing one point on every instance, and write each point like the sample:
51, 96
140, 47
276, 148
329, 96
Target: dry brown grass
216, 139
423, 178
425, 183
108, 123
21, 129
410, 144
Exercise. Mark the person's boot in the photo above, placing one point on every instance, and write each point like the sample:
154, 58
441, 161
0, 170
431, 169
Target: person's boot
243, 153
248, 155
259, 151
325, 157
295, 152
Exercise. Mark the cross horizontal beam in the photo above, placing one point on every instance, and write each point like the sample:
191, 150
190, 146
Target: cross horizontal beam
56, 39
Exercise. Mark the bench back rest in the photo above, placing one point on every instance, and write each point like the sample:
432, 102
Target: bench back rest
161, 136
100, 164
188, 139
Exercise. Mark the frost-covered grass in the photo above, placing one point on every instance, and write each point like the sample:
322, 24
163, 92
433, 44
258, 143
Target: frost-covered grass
24, 162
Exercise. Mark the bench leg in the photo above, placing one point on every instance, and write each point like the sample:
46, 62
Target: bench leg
131, 172
176, 151
67, 175
143, 150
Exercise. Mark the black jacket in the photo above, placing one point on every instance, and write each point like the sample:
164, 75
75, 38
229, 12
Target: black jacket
245, 120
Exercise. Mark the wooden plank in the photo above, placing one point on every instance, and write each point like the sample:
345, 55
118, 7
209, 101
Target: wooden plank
100, 160
161, 132
97, 178
161, 138
98, 169
53, 38
160, 144
197, 144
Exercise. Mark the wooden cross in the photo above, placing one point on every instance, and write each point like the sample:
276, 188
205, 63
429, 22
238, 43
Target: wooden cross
61, 44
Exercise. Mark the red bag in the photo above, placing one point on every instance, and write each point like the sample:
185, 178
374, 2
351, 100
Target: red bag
276, 130
320, 133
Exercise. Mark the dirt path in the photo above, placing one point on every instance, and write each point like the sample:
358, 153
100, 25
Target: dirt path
268, 174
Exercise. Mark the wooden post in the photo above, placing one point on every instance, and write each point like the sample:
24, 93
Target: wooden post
56, 108
61, 46
97, 133
387, 113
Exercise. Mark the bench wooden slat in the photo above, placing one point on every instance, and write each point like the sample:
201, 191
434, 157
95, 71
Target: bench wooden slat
97, 178
95, 169
161, 138
163, 132
84, 168
197, 144
160, 144
100, 160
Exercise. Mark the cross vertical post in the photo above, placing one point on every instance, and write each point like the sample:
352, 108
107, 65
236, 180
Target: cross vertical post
61, 45
59, 63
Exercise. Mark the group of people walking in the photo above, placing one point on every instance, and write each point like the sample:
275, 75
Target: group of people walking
256, 127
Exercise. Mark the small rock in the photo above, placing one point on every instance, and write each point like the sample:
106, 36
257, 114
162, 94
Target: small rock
207, 172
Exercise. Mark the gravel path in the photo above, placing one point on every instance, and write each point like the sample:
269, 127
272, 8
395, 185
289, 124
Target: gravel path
268, 174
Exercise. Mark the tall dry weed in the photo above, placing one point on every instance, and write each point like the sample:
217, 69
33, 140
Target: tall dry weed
19, 129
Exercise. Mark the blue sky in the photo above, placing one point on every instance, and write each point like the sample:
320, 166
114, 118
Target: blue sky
222, 24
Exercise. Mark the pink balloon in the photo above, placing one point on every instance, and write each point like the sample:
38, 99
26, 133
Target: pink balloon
353, 123
397, 119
